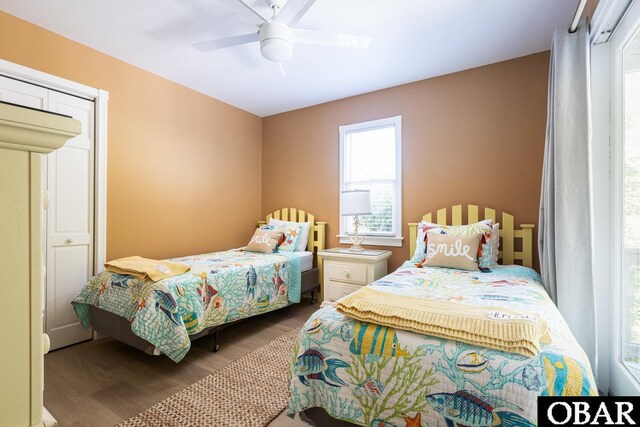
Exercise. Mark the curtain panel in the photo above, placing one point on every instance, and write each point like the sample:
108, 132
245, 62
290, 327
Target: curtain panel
565, 235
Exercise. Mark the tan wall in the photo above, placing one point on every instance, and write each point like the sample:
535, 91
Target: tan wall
184, 169
471, 137
590, 8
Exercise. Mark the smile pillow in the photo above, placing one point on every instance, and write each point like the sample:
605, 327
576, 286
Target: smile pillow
447, 250
264, 241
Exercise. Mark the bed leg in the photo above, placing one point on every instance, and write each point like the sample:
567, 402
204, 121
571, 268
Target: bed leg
313, 297
216, 341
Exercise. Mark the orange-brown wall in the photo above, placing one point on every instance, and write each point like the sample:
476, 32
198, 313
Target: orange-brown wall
590, 8
186, 173
184, 169
475, 136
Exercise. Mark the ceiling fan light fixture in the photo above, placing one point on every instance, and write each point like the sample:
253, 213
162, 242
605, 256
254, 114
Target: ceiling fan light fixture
276, 50
276, 41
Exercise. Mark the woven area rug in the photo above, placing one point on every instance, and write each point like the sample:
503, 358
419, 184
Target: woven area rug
248, 392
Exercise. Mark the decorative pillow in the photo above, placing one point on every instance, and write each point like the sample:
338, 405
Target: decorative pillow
485, 249
495, 243
290, 235
448, 250
303, 237
423, 227
265, 241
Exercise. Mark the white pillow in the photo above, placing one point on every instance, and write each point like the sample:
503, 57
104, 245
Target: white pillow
301, 245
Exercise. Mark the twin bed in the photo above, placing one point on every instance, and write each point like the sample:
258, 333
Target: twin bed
348, 372
220, 289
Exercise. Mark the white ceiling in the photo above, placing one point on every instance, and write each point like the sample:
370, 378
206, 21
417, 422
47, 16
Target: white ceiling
412, 40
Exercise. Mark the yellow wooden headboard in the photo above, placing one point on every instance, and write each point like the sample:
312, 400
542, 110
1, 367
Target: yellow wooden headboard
508, 234
316, 231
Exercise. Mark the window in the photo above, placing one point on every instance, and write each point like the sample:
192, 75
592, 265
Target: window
625, 173
631, 204
370, 159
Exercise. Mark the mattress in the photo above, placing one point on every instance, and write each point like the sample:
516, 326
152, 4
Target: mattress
306, 260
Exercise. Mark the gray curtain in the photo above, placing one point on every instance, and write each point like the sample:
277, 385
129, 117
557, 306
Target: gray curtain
564, 233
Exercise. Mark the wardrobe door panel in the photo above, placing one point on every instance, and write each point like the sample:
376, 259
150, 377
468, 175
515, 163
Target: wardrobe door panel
15, 288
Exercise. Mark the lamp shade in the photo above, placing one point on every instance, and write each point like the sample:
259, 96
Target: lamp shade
356, 202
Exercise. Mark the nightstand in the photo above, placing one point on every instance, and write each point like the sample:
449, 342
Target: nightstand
346, 271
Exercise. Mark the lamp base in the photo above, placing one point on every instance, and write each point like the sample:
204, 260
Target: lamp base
356, 239
356, 248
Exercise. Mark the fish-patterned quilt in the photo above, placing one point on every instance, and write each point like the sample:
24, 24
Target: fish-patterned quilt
372, 375
221, 287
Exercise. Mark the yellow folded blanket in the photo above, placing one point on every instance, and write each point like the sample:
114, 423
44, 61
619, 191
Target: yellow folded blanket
144, 268
493, 327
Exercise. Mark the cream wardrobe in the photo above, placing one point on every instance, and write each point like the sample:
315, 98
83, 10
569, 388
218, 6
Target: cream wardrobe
25, 135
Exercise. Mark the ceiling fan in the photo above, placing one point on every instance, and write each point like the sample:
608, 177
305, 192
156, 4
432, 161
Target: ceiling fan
277, 36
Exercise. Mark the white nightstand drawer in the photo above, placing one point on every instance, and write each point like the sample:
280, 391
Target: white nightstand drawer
349, 273
345, 271
335, 291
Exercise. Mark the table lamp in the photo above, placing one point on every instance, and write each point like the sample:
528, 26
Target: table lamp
354, 203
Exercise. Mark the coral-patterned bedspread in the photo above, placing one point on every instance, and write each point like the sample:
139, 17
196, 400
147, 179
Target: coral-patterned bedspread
372, 375
220, 288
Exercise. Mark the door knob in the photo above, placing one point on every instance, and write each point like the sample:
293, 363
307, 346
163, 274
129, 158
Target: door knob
46, 343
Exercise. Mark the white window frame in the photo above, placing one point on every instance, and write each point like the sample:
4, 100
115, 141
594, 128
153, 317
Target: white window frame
394, 238
622, 381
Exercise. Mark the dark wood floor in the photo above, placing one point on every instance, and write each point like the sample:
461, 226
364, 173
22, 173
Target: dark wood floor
101, 383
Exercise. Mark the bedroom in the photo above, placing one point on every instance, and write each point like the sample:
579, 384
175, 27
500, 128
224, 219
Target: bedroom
181, 152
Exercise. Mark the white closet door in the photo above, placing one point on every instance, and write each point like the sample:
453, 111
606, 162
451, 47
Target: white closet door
69, 222
21, 93
68, 231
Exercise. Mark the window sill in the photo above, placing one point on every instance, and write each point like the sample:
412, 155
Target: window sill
375, 240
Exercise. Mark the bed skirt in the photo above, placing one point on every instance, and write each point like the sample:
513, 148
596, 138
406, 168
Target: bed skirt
320, 418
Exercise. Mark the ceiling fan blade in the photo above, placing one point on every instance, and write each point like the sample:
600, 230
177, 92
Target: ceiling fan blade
298, 16
327, 38
255, 12
226, 42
